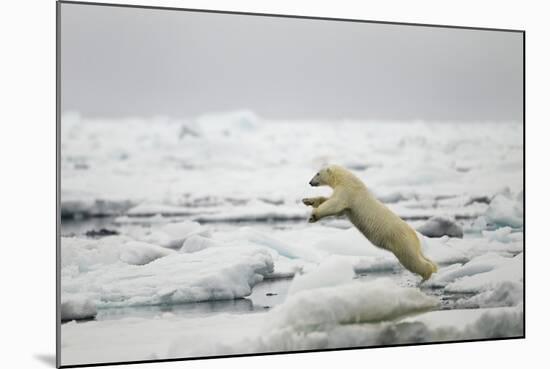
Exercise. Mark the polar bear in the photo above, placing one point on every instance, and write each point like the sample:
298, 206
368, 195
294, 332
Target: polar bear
372, 218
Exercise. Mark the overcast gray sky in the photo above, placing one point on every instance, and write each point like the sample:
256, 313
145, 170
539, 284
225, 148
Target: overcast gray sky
119, 62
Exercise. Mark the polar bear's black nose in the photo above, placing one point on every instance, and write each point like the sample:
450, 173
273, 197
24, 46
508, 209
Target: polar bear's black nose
313, 184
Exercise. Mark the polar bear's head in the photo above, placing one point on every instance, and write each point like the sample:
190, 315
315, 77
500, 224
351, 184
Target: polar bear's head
327, 176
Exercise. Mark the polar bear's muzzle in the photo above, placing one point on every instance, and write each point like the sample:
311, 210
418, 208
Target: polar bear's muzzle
314, 181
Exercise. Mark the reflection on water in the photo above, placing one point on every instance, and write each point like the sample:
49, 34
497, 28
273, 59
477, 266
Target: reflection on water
264, 296
188, 310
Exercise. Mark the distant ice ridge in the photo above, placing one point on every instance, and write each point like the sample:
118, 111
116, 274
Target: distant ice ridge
204, 169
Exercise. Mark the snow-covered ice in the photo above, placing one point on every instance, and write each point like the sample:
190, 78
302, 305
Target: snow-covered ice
332, 271
352, 302
206, 233
340, 322
112, 280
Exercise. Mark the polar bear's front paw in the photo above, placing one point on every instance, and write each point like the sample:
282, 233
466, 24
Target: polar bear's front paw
312, 218
308, 201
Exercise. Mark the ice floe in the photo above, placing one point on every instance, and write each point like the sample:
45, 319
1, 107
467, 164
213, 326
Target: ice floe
77, 307
332, 271
506, 210
352, 302
441, 226
209, 274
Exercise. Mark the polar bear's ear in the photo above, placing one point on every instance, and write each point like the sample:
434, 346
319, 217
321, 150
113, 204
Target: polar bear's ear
329, 171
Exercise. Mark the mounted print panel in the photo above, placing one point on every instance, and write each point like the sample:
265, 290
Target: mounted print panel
243, 184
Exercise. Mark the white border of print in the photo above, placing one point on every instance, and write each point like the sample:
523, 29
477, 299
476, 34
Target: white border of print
28, 187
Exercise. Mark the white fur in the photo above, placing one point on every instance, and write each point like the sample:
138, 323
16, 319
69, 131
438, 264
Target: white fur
372, 218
